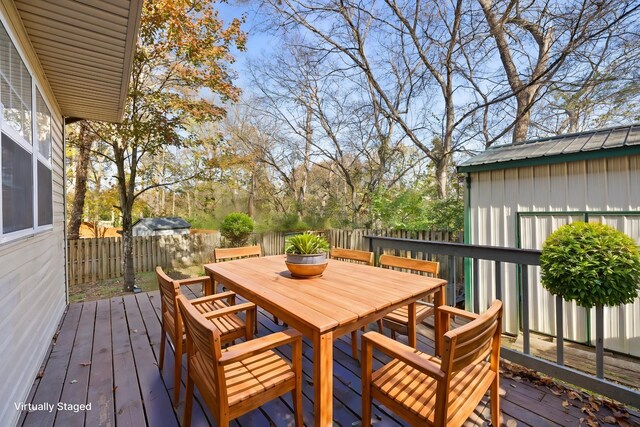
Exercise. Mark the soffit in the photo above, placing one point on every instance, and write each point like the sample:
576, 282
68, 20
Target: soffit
85, 48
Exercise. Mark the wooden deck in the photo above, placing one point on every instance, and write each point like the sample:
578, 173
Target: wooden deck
106, 351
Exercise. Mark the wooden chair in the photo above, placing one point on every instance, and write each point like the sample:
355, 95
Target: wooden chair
398, 319
361, 257
242, 377
226, 254
424, 390
224, 318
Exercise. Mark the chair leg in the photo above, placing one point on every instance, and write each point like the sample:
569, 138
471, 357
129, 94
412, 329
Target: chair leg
188, 403
354, 344
163, 339
380, 325
393, 334
366, 388
177, 373
296, 395
495, 402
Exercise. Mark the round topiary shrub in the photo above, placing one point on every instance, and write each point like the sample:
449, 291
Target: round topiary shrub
236, 228
592, 264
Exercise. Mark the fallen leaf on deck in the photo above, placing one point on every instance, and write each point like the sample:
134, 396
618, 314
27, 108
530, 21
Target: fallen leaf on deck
609, 420
565, 404
85, 364
556, 391
74, 381
574, 395
620, 414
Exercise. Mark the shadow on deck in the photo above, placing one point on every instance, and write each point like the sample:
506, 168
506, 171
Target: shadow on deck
105, 354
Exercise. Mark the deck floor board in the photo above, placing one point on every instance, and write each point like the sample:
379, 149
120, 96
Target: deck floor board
120, 338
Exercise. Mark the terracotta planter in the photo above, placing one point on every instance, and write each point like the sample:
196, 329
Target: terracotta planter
306, 266
306, 271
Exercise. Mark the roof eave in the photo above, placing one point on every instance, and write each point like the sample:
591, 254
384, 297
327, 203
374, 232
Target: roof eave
548, 160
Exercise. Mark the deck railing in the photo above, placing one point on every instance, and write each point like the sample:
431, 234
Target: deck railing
524, 259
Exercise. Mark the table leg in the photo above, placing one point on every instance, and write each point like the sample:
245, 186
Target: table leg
323, 379
440, 299
411, 327
209, 288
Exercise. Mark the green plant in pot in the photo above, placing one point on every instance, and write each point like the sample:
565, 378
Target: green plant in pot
594, 265
306, 254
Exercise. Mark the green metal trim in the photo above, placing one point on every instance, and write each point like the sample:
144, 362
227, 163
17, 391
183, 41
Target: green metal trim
468, 302
549, 160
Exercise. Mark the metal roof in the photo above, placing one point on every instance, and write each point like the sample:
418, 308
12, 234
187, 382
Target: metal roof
86, 51
616, 141
169, 223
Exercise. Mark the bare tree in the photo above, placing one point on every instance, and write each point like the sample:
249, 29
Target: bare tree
535, 39
405, 54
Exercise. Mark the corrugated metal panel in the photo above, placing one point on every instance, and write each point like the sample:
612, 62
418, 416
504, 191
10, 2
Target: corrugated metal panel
608, 184
534, 230
582, 142
85, 50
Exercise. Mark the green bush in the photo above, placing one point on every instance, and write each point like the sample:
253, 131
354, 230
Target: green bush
306, 244
236, 228
592, 264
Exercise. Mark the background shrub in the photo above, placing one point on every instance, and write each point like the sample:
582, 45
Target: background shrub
592, 264
236, 228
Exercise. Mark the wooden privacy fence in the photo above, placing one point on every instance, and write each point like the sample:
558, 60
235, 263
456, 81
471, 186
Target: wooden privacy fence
89, 260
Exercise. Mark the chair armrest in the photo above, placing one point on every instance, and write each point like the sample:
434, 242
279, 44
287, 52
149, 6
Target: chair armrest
230, 310
210, 298
406, 354
445, 309
193, 280
251, 348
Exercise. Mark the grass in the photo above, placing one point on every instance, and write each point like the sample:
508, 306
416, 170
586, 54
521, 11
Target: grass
104, 289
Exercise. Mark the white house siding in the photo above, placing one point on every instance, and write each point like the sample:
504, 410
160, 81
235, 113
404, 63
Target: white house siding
32, 281
610, 184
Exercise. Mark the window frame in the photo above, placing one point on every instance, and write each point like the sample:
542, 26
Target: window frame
33, 148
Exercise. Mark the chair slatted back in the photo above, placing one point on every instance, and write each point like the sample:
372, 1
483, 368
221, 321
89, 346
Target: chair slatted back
474, 341
221, 254
352, 255
203, 338
417, 265
168, 292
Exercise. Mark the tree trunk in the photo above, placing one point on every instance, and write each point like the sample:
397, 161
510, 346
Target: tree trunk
523, 113
302, 192
82, 169
127, 261
442, 176
251, 209
126, 206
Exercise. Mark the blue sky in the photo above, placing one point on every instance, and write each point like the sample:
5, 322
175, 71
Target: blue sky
259, 43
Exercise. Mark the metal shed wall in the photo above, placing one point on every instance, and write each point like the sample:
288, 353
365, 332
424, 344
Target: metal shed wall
558, 193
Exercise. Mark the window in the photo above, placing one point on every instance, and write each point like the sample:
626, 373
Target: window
43, 133
17, 187
15, 91
25, 148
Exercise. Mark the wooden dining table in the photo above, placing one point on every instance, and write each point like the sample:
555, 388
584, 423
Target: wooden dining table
345, 298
